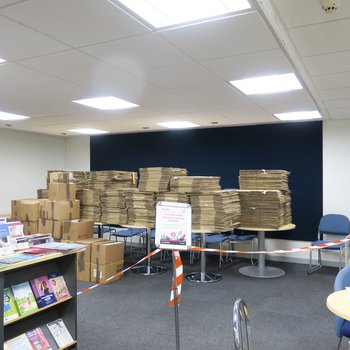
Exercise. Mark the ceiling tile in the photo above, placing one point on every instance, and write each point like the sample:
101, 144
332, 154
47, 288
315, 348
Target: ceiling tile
334, 94
332, 81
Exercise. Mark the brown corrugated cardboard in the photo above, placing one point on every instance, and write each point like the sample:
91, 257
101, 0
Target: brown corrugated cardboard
61, 177
59, 210
107, 252
74, 230
51, 226
15, 209
85, 255
99, 273
83, 271
30, 227
62, 192
29, 209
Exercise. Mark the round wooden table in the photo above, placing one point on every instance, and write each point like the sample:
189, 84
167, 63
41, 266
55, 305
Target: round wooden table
339, 303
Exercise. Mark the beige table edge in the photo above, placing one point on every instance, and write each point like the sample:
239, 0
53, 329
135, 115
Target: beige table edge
338, 302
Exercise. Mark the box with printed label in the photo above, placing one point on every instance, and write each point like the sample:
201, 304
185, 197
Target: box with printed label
83, 271
62, 192
29, 209
51, 226
61, 177
59, 210
85, 255
74, 230
30, 227
107, 252
100, 273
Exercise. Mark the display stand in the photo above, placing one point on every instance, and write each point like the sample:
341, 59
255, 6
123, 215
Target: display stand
64, 263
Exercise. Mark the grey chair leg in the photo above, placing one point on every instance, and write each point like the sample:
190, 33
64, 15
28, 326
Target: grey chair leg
312, 269
339, 343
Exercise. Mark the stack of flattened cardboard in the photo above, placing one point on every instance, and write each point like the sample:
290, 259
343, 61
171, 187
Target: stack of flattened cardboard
111, 180
173, 197
90, 208
263, 180
157, 179
141, 208
79, 178
113, 207
195, 184
215, 211
42, 193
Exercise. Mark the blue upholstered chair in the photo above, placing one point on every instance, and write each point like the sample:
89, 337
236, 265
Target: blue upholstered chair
342, 327
330, 224
217, 238
241, 326
234, 239
99, 230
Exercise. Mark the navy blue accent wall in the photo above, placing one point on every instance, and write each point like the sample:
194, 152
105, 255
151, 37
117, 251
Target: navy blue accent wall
296, 147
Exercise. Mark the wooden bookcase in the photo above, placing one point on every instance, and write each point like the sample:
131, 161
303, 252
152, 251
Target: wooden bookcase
66, 309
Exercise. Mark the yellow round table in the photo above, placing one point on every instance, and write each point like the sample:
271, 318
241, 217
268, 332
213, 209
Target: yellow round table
339, 303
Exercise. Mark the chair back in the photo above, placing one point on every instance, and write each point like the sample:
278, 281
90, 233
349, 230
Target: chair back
334, 224
241, 326
341, 281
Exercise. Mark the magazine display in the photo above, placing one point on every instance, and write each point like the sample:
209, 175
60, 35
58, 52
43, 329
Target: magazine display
38, 340
15, 229
60, 333
10, 306
59, 286
25, 299
43, 291
19, 343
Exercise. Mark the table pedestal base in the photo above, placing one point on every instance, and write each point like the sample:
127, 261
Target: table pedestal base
201, 277
148, 270
266, 272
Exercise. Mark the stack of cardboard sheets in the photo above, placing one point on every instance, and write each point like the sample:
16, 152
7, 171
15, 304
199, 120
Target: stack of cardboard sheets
157, 179
113, 207
195, 184
111, 180
90, 207
173, 197
217, 211
264, 180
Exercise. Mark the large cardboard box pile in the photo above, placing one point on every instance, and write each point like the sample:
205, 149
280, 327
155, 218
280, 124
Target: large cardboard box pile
107, 259
61, 187
78, 229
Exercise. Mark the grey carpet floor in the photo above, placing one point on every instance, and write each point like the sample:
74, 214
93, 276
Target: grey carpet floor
287, 313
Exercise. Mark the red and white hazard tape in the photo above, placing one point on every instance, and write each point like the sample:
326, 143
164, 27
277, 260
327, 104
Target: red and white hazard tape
179, 277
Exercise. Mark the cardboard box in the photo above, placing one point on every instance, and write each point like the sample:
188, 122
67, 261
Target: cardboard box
99, 273
86, 254
59, 210
30, 227
62, 192
74, 230
29, 209
61, 177
15, 209
104, 253
51, 226
83, 271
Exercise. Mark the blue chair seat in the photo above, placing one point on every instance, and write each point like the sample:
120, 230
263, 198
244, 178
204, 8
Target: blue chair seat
102, 229
241, 238
130, 232
334, 247
345, 330
216, 238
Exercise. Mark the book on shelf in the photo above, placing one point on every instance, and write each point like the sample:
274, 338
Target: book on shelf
10, 306
43, 291
38, 340
4, 231
19, 343
59, 286
60, 333
24, 297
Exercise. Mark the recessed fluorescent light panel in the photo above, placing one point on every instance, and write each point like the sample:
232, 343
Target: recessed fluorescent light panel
166, 13
10, 116
178, 125
106, 103
307, 115
268, 84
2, 60
89, 131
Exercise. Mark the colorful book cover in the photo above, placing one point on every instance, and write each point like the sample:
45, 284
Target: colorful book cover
43, 291
10, 306
38, 340
15, 229
4, 231
60, 333
59, 286
19, 343
24, 297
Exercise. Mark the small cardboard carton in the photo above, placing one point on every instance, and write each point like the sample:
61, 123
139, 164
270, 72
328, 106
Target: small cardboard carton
15, 209
59, 210
30, 227
85, 255
83, 271
29, 209
104, 253
100, 273
74, 230
61, 177
51, 226
62, 191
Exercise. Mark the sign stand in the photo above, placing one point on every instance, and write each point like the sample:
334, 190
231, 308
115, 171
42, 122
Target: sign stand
176, 307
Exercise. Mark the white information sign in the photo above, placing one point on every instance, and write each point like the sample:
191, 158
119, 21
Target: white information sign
173, 225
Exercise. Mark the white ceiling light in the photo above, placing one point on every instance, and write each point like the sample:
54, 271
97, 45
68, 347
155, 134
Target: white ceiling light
178, 125
268, 84
10, 116
106, 103
306, 115
89, 131
2, 60
165, 13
